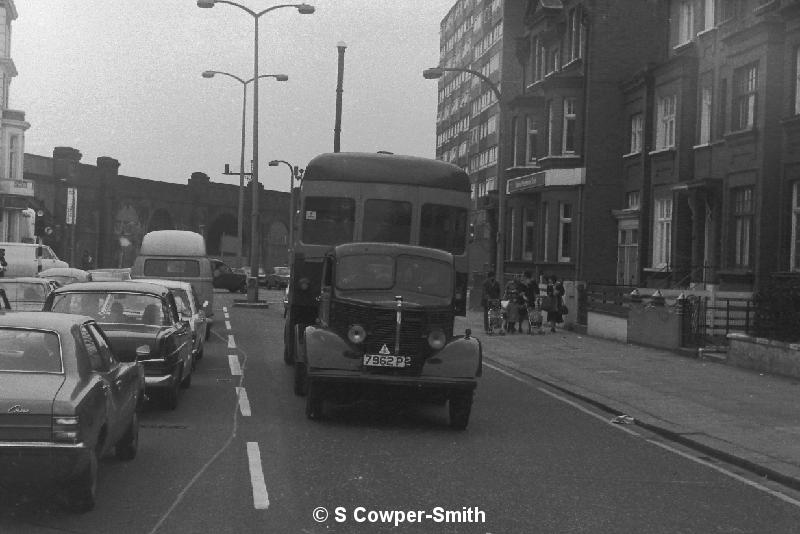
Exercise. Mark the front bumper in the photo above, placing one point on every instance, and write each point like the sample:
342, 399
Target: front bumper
331, 376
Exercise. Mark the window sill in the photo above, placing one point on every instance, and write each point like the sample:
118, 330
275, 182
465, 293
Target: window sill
707, 32
740, 134
560, 157
682, 46
766, 6
631, 155
570, 63
660, 151
657, 270
701, 146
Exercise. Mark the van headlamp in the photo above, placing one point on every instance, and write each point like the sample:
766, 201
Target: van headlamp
356, 334
437, 339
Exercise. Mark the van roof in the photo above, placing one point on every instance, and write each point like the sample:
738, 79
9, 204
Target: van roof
173, 243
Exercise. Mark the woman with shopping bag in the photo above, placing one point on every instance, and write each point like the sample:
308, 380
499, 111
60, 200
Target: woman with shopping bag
553, 302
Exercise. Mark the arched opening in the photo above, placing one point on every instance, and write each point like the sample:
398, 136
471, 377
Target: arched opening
160, 220
221, 236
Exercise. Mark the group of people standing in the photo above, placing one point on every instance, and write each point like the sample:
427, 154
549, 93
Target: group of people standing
519, 298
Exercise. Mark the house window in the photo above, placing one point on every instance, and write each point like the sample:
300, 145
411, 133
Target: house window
552, 59
708, 14
723, 98
511, 235
529, 233
515, 141
530, 146
541, 61
795, 257
797, 81
564, 232
665, 134
686, 21
704, 132
574, 34
568, 133
550, 127
743, 226
628, 253
632, 200
546, 232
662, 233
13, 157
637, 130
744, 98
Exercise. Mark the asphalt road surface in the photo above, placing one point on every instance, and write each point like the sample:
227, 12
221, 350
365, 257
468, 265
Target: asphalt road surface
239, 456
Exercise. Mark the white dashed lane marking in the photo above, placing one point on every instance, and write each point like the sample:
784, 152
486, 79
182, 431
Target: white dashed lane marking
233, 362
231, 342
228, 326
260, 495
244, 403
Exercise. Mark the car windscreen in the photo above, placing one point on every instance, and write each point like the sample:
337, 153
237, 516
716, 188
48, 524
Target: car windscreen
281, 271
171, 268
112, 307
403, 273
28, 350
23, 291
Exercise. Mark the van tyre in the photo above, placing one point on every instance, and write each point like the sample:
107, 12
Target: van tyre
300, 379
128, 445
314, 401
460, 407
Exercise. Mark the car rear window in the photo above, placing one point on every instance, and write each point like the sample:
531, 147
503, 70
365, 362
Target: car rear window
171, 268
32, 351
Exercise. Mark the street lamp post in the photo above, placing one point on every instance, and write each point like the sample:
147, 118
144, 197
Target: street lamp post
437, 72
240, 214
303, 9
337, 128
292, 175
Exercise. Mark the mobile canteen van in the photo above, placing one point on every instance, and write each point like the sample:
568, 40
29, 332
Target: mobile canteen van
28, 259
178, 255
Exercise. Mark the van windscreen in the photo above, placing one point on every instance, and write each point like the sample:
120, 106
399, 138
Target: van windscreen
171, 268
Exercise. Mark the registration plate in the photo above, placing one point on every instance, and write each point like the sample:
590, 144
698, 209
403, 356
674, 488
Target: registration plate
384, 360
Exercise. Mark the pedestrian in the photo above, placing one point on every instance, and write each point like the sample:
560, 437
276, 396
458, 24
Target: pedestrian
555, 302
511, 306
529, 291
87, 261
491, 292
3, 262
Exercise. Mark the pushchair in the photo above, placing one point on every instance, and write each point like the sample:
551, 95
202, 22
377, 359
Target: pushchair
495, 317
535, 316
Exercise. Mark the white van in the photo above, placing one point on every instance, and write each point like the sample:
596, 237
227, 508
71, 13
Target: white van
178, 255
28, 259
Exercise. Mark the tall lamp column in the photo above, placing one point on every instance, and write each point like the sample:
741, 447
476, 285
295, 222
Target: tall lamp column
303, 9
438, 72
292, 175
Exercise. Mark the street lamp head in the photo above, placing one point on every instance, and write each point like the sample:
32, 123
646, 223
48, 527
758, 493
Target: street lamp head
205, 3
341, 44
303, 9
208, 74
432, 73
273, 163
282, 77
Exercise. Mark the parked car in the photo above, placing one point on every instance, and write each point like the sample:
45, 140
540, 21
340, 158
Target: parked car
189, 308
143, 324
227, 278
65, 275
65, 400
278, 278
386, 324
106, 275
27, 293
262, 274
27, 259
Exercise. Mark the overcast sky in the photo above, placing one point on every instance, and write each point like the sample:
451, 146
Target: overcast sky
123, 79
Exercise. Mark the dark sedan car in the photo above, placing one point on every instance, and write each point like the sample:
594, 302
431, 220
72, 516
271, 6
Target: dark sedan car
65, 400
143, 324
278, 278
234, 280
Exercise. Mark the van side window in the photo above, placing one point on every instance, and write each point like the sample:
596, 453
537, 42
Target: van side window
170, 268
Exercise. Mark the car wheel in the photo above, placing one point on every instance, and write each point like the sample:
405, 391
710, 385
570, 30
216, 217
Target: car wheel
171, 395
186, 383
460, 408
314, 401
128, 445
81, 493
300, 379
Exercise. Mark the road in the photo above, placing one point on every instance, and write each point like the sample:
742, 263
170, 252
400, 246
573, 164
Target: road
238, 455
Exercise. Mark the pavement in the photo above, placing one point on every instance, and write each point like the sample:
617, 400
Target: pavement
739, 416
